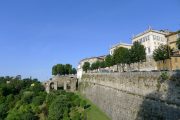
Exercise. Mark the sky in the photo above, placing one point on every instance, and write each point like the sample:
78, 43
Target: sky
37, 34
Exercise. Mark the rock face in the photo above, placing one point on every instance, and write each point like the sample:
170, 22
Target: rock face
138, 95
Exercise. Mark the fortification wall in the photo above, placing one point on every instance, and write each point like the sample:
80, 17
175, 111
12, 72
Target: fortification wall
134, 95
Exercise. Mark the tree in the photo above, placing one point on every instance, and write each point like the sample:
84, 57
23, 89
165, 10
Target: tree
74, 71
102, 64
60, 69
120, 55
128, 58
97, 66
54, 70
138, 53
109, 61
162, 53
178, 43
58, 107
68, 69
93, 66
86, 66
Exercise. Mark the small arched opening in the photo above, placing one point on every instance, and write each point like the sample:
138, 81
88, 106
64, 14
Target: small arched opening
51, 86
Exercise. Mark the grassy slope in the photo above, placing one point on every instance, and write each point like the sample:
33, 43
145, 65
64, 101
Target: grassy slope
94, 113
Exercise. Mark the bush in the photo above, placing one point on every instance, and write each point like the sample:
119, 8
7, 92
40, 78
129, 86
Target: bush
58, 107
164, 76
38, 100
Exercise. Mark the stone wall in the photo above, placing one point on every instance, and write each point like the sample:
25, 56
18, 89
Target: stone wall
134, 95
68, 83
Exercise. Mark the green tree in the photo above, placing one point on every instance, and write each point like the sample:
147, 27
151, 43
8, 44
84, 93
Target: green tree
68, 69
3, 111
102, 64
93, 66
138, 53
58, 107
60, 69
54, 70
74, 71
97, 64
38, 100
109, 61
120, 56
86, 66
162, 53
178, 43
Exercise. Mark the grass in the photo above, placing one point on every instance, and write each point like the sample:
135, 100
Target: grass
94, 113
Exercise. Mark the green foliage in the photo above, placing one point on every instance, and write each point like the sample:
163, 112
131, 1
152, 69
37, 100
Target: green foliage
63, 69
17, 96
162, 53
26, 100
109, 61
86, 66
74, 71
98, 64
102, 64
164, 76
54, 70
94, 66
138, 53
178, 43
121, 56
3, 111
38, 100
57, 108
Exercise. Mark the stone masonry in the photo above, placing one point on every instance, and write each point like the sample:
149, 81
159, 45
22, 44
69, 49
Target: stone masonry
134, 95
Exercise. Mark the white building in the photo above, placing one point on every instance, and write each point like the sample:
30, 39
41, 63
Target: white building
151, 39
90, 60
125, 45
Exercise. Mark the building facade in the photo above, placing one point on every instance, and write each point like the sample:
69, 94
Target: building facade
174, 62
90, 60
112, 49
151, 39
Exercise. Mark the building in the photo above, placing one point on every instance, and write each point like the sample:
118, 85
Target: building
174, 62
90, 60
112, 49
151, 39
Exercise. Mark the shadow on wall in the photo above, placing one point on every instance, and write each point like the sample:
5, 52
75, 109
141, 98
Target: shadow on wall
164, 103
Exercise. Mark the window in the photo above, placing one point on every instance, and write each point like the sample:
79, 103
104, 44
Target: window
157, 37
149, 50
140, 40
143, 39
148, 37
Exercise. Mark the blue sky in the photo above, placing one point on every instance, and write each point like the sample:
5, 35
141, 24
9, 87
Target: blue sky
36, 34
